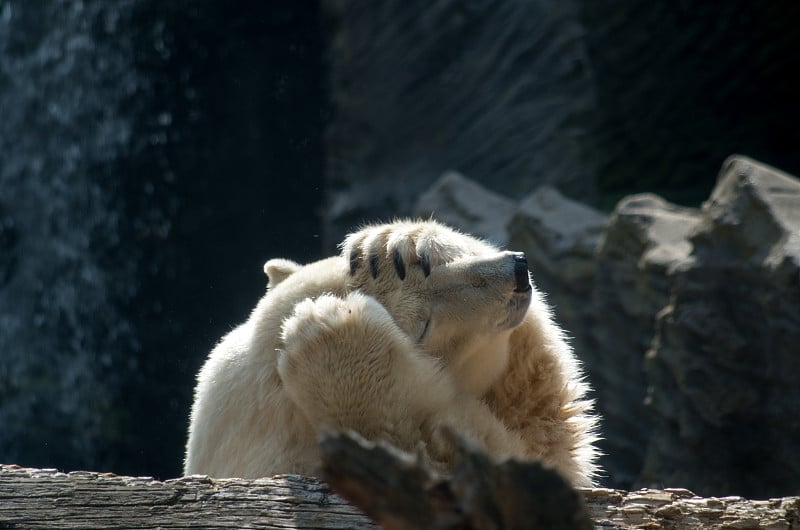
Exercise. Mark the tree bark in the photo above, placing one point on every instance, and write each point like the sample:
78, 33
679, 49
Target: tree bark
402, 492
48, 499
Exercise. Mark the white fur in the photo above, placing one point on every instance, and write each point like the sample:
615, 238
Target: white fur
346, 343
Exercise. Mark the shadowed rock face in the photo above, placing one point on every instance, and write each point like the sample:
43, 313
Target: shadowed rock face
724, 362
498, 90
65, 342
597, 98
459, 201
688, 322
690, 336
646, 236
679, 86
560, 236
149, 151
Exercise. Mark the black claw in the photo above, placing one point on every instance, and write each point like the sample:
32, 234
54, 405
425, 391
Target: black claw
373, 265
353, 263
399, 266
424, 260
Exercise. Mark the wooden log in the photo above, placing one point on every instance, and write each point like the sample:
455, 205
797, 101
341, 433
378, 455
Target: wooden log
482, 495
402, 492
48, 499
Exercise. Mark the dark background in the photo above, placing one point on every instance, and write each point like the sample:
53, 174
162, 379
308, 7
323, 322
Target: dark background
243, 82
189, 154
153, 155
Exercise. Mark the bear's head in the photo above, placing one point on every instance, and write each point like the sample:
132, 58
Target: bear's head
457, 297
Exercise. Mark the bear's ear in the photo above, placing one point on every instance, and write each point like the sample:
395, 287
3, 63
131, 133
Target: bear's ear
279, 269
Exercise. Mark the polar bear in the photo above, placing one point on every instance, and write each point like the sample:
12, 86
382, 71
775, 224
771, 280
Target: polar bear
413, 328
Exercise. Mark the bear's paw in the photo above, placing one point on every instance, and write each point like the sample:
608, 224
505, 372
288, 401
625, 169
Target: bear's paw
347, 365
332, 344
406, 247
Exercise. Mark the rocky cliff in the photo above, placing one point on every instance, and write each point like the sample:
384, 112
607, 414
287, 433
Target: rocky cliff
597, 98
687, 319
722, 367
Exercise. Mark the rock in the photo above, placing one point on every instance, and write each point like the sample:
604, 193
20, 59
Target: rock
713, 295
588, 96
65, 342
751, 218
672, 97
564, 233
646, 236
723, 366
463, 203
500, 91
8, 240
559, 237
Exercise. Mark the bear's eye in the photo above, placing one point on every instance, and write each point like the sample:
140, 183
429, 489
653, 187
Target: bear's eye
422, 329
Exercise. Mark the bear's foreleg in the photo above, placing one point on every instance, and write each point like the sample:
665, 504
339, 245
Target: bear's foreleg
542, 397
348, 366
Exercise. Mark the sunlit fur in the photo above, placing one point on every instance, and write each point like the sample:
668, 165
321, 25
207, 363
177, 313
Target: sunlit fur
412, 328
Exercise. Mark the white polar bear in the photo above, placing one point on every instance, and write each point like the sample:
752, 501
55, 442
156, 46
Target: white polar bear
412, 328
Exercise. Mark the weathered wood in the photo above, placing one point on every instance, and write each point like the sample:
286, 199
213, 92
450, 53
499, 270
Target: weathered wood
47, 499
401, 492
480, 495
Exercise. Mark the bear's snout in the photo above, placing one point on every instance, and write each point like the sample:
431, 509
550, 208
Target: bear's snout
521, 276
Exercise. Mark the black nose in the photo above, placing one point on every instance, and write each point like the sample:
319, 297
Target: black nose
521, 273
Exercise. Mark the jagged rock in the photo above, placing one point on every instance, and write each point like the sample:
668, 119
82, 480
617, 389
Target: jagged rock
563, 233
723, 367
640, 264
646, 236
717, 290
713, 294
463, 203
559, 237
